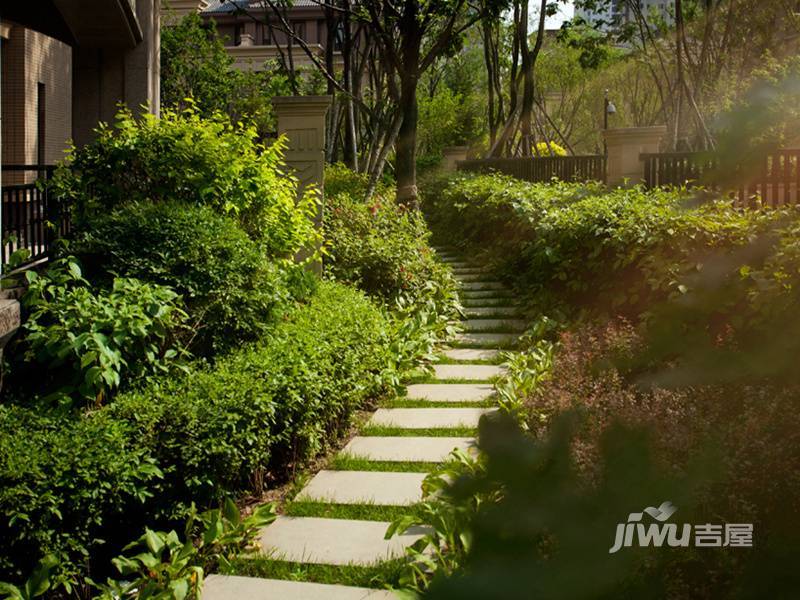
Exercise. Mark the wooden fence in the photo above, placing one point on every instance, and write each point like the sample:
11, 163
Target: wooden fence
775, 180
542, 169
31, 217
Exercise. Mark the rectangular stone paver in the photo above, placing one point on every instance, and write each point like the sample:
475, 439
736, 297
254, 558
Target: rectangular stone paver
493, 324
487, 339
234, 587
406, 449
491, 311
450, 392
482, 285
470, 354
486, 302
364, 487
466, 371
484, 294
422, 418
333, 541
469, 275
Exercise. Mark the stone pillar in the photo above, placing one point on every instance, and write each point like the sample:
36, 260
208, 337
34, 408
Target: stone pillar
453, 154
625, 146
302, 120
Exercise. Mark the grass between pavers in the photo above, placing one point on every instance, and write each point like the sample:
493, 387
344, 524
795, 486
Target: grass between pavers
419, 403
357, 512
493, 329
379, 575
433, 379
387, 431
488, 302
489, 345
498, 315
346, 462
444, 360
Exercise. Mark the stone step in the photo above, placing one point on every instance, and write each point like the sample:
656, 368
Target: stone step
471, 325
484, 295
458, 264
486, 302
470, 277
470, 354
234, 587
491, 311
487, 339
405, 449
466, 371
483, 285
364, 487
423, 418
333, 541
450, 392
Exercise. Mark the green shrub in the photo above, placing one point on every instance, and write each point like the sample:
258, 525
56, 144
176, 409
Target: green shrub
379, 245
88, 341
231, 289
70, 481
585, 246
184, 157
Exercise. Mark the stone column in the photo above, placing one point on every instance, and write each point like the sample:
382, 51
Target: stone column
453, 154
302, 120
625, 146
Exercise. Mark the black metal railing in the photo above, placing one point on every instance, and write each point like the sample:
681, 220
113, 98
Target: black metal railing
775, 180
32, 218
542, 169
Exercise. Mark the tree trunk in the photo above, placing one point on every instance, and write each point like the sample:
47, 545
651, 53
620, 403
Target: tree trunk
406, 146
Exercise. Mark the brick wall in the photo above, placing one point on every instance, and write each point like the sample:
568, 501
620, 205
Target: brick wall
31, 58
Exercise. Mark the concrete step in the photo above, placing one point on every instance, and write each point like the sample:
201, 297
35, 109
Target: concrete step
486, 302
364, 487
450, 392
483, 285
422, 418
494, 324
470, 276
406, 449
233, 587
469, 354
333, 541
491, 311
466, 371
484, 295
484, 340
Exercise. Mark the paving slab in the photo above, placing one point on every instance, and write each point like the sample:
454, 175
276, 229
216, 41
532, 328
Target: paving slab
234, 587
470, 276
406, 449
491, 311
470, 354
450, 392
422, 418
465, 371
364, 487
484, 294
487, 339
458, 264
486, 302
333, 541
482, 285
494, 324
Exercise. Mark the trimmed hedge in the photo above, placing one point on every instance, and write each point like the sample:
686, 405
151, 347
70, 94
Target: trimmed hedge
618, 250
69, 481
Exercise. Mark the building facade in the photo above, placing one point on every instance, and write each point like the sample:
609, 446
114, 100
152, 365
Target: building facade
619, 12
68, 65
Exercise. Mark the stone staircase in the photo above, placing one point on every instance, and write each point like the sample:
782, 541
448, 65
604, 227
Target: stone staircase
444, 409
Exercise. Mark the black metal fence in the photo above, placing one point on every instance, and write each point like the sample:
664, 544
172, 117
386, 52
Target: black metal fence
775, 180
32, 218
542, 169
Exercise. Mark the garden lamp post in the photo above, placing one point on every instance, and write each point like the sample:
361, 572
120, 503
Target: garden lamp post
608, 109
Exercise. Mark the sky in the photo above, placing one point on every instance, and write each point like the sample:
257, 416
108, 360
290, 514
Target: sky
564, 13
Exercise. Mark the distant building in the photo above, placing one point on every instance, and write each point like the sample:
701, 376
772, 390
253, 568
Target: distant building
620, 12
253, 35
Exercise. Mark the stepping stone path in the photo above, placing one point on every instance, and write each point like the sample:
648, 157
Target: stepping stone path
492, 322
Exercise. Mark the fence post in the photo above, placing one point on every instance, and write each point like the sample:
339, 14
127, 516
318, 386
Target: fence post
453, 154
624, 149
302, 120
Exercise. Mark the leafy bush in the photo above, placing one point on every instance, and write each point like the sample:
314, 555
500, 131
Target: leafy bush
85, 340
70, 481
379, 245
231, 289
586, 246
184, 157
